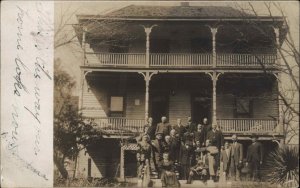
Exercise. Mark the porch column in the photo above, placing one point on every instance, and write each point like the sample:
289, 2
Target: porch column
214, 77
122, 170
214, 31
148, 31
278, 76
83, 43
83, 88
147, 77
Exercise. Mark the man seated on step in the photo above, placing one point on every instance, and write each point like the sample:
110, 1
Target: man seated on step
200, 170
210, 155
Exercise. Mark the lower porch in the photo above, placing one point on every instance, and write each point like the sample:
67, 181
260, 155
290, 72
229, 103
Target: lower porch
240, 103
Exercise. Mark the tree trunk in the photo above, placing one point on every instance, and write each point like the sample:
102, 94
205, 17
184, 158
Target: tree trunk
59, 162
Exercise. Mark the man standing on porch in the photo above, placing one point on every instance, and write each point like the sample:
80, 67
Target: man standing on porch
236, 158
206, 127
163, 127
177, 126
191, 126
152, 128
216, 139
255, 157
181, 129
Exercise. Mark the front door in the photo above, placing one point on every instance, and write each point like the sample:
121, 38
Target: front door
201, 108
159, 107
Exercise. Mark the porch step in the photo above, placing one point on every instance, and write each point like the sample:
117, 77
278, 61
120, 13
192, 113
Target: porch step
194, 184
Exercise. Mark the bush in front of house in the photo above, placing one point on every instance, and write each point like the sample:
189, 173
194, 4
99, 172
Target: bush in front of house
282, 167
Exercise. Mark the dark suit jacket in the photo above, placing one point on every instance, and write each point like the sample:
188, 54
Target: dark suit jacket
164, 128
199, 136
237, 152
151, 132
255, 152
206, 128
225, 158
192, 127
186, 155
216, 138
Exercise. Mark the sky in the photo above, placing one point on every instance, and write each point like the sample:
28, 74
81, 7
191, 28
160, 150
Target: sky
71, 55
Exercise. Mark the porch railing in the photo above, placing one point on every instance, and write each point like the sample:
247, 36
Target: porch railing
247, 125
247, 60
120, 124
180, 59
122, 59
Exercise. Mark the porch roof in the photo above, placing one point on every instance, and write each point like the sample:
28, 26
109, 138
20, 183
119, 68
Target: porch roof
176, 12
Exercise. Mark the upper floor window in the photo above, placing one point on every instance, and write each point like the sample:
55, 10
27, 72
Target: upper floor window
116, 106
243, 108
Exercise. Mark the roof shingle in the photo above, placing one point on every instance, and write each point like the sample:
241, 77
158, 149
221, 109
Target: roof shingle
138, 11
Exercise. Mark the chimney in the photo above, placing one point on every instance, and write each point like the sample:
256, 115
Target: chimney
185, 4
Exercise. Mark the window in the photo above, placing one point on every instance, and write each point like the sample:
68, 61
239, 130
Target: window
116, 106
243, 107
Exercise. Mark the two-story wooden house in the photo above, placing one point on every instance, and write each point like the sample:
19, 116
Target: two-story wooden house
176, 61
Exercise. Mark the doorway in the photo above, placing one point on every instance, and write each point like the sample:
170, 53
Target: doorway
201, 108
159, 107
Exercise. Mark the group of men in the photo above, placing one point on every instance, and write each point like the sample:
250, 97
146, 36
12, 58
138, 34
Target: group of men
199, 150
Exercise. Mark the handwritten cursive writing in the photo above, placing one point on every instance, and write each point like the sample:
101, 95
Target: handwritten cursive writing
28, 74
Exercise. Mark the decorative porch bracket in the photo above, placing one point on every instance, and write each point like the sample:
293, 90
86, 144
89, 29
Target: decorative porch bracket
214, 31
214, 77
148, 31
147, 77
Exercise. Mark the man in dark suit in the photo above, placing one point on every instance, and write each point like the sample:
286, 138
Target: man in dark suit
157, 148
191, 126
255, 157
216, 137
206, 128
177, 126
152, 128
236, 158
225, 159
185, 160
163, 127
199, 135
175, 145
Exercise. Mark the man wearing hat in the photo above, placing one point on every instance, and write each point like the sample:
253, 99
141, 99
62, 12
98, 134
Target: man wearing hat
157, 146
236, 158
254, 157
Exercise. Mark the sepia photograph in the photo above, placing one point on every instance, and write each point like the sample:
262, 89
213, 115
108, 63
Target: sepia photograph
176, 94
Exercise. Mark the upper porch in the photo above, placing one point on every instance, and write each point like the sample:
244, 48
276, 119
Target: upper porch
163, 42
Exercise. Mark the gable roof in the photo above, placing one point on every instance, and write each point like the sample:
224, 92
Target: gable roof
141, 11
